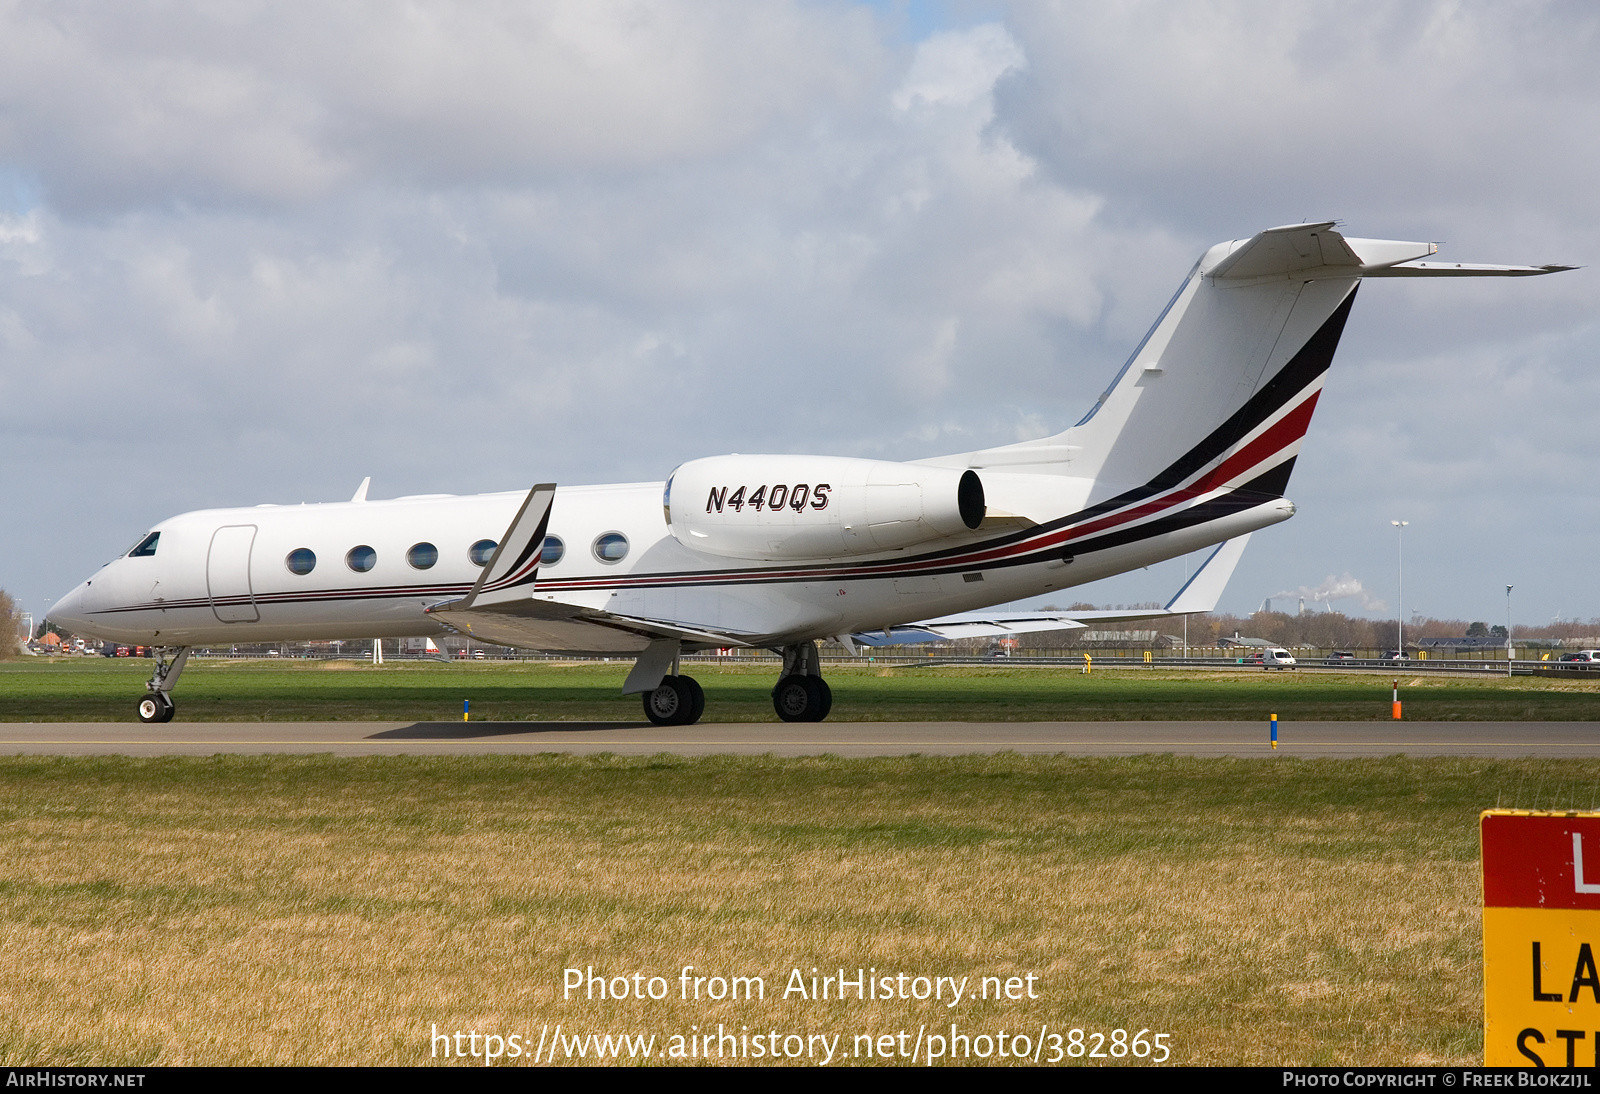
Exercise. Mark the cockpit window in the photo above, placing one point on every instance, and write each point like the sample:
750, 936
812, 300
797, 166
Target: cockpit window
146, 546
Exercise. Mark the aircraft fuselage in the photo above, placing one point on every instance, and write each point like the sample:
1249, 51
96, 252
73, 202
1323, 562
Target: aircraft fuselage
227, 576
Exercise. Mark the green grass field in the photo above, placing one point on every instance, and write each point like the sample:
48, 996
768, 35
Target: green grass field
98, 689
238, 910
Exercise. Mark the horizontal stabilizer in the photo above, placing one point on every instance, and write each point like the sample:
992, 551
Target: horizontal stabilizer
1462, 269
1320, 250
1199, 594
968, 625
1202, 591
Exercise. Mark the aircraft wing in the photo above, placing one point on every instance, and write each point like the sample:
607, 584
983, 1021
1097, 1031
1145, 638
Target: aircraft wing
1199, 594
552, 625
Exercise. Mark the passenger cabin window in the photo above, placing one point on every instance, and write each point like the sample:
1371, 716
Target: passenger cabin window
553, 549
361, 559
422, 556
146, 547
611, 547
301, 560
482, 551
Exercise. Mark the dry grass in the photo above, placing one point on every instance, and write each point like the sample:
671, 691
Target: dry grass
313, 910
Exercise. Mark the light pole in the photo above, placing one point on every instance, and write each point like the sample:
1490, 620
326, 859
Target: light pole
1509, 650
1400, 611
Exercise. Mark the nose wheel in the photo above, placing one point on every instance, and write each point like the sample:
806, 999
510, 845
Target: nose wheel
156, 707
677, 701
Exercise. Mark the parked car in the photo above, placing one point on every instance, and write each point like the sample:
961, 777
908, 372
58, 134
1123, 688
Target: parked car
1396, 655
1583, 657
1340, 655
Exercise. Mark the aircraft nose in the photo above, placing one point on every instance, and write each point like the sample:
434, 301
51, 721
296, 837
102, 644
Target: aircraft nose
71, 611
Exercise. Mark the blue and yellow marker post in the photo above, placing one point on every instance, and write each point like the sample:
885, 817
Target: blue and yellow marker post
466, 705
1274, 732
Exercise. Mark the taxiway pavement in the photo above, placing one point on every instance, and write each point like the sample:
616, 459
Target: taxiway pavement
1304, 739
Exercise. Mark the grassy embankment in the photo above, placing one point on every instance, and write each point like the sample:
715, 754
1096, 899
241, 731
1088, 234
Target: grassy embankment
317, 910
97, 689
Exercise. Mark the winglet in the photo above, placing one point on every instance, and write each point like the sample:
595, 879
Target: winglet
361, 491
514, 565
1202, 591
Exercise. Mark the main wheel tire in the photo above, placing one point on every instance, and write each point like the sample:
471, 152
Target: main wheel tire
802, 699
697, 696
676, 701
827, 698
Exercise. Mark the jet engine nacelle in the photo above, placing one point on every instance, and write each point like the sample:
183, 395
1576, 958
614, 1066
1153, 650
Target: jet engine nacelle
816, 507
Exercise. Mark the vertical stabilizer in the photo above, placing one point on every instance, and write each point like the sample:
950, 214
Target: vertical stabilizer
1222, 389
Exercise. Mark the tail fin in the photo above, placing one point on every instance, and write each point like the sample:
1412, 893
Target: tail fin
1220, 392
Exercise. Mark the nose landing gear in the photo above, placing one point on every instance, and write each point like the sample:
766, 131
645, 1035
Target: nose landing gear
801, 694
157, 705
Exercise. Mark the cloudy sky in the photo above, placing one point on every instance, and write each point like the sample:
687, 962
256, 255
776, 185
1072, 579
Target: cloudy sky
254, 252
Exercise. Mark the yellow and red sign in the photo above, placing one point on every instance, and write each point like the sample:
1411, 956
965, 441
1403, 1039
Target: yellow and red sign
1541, 934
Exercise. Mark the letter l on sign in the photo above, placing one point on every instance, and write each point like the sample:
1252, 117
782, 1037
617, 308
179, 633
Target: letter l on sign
1578, 884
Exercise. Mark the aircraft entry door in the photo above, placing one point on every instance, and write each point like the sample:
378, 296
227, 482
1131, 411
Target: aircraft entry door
228, 574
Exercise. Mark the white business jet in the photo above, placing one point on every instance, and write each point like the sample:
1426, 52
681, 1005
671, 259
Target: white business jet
1190, 447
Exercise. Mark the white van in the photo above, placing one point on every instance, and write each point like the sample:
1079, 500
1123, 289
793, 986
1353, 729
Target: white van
1274, 658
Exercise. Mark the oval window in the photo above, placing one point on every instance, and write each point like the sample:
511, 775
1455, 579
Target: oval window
301, 560
422, 555
611, 547
482, 551
361, 559
553, 549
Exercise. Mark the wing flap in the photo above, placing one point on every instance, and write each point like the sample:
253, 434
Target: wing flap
551, 625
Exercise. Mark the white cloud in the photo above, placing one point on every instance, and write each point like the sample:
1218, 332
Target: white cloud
268, 249
959, 68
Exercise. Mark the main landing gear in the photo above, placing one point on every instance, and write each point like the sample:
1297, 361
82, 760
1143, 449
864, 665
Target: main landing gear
801, 694
157, 705
676, 701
